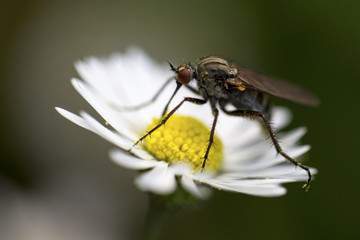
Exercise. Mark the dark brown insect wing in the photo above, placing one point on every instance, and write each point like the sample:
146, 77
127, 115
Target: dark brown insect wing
272, 86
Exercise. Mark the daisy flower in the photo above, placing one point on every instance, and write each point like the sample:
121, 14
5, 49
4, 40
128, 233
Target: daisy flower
241, 159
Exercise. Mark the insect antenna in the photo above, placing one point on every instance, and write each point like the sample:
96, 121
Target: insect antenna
172, 67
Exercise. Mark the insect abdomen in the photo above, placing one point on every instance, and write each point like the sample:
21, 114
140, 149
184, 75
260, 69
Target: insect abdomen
251, 100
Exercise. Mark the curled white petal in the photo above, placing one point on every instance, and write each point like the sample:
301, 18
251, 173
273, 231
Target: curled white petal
159, 180
126, 160
197, 190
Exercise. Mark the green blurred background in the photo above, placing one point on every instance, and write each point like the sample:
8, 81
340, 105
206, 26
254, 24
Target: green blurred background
56, 181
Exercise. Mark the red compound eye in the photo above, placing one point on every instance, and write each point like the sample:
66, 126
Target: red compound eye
184, 76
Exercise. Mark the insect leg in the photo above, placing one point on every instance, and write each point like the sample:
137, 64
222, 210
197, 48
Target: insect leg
212, 132
244, 113
194, 90
163, 121
144, 104
178, 86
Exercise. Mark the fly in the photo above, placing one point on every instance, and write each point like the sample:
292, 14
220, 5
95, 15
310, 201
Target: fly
222, 84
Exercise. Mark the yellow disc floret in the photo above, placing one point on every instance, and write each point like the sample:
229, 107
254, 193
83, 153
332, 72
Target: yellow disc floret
184, 139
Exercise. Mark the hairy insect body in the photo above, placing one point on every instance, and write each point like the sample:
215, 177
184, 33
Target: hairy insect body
211, 74
214, 76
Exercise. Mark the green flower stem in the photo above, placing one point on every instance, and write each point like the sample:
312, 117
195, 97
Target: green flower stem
161, 209
158, 216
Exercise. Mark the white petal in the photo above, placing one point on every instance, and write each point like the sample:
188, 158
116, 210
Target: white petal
281, 172
199, 191
73, 117
299, 174
291, 137
237, 154
128, 161
111, 136
89, 123
280, 117
141, 153
268, 159
242, 136
159, 180
228, 124
253, 151
263, 190
95, 72
244, 132
129, 78
120, 122
257, 149
92, 125
180, 168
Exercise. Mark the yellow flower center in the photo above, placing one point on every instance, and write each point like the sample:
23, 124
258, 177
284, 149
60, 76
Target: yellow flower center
184, 139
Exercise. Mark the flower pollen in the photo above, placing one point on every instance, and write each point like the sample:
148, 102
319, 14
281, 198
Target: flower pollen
184, 139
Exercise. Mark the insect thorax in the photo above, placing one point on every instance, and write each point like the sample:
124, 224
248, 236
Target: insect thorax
211, 74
